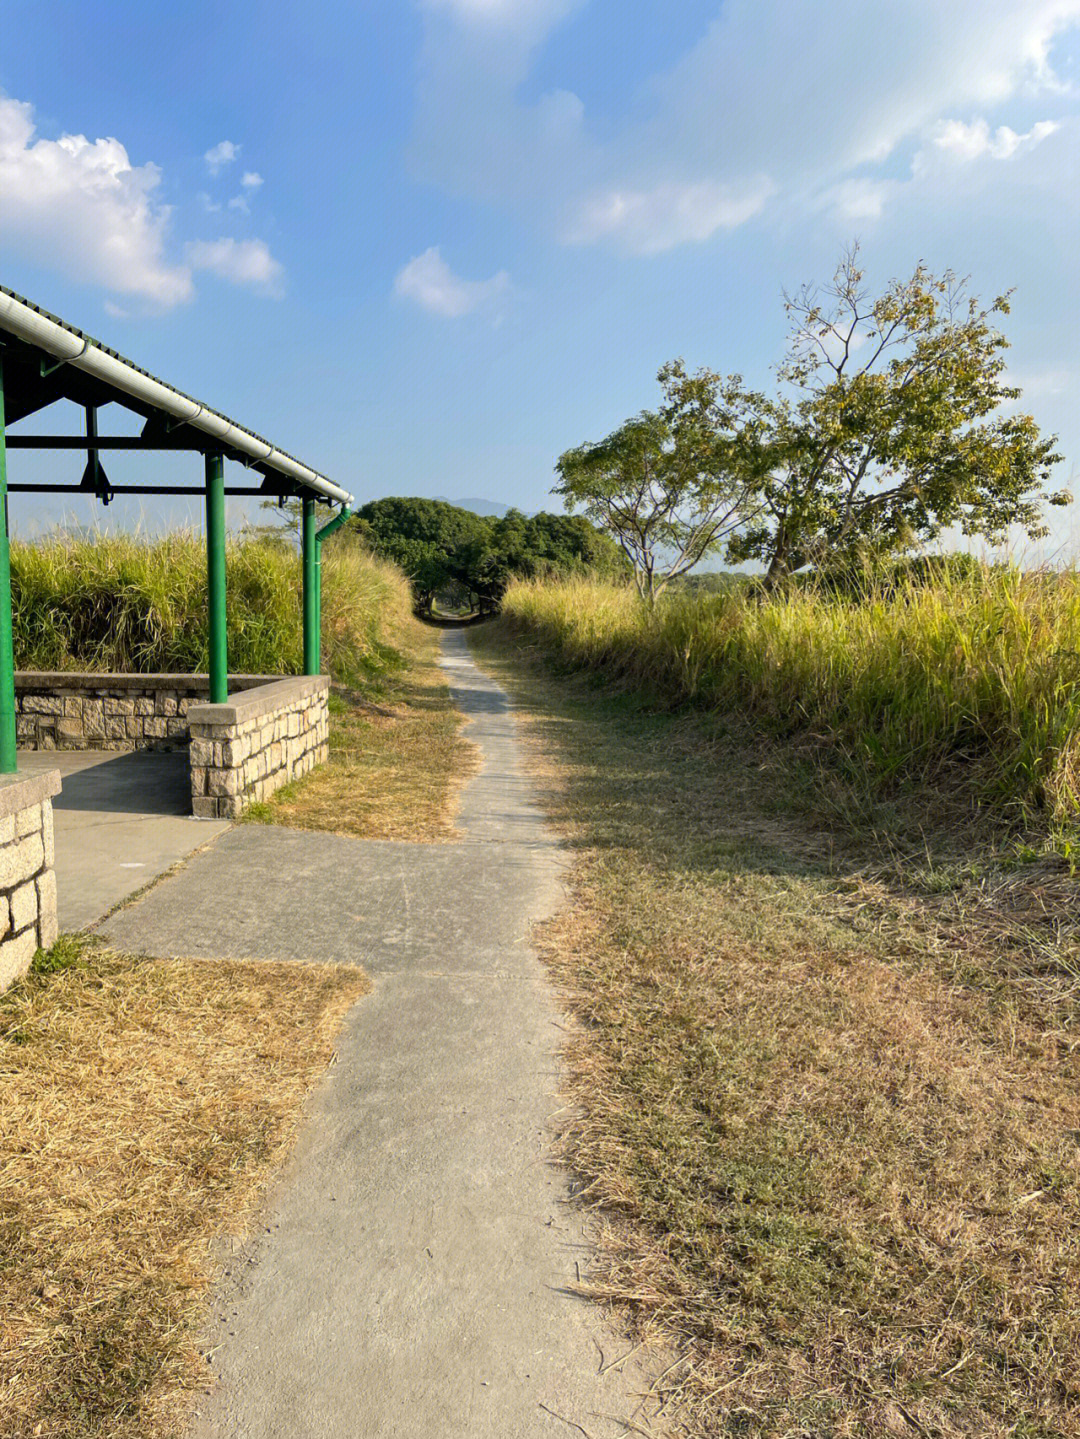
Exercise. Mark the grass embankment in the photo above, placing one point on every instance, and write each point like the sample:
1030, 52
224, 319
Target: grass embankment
119, 602
397, 758
143, 1105
830, 1123
970, 684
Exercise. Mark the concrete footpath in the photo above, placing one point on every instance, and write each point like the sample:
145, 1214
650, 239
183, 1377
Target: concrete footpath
410, 1278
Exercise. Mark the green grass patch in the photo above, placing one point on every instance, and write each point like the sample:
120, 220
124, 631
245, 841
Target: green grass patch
64, 954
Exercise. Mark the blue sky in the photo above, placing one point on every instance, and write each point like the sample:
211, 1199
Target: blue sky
428, 246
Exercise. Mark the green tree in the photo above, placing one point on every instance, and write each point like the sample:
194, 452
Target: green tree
891, 428
430, 539
670, 486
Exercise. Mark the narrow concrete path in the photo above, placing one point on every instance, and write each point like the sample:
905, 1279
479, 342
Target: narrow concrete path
411, 1276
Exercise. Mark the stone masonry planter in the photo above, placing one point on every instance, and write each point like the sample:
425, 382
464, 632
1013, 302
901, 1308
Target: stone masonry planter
27, 878
260, 739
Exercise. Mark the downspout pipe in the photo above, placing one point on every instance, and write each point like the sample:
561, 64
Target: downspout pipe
328, 529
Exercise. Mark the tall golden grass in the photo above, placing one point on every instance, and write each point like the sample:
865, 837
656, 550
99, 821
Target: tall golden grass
123, 602
974, 676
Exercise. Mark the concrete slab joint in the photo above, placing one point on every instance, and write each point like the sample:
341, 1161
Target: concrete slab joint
244, 750
27, 877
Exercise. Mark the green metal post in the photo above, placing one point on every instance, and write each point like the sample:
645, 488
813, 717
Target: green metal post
318, 603
320, 535
8, 761
311, 581
215, 578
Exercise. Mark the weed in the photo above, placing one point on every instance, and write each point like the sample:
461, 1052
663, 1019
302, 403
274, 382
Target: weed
64, 954
395, 766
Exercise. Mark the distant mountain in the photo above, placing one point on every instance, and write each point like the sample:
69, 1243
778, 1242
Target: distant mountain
478, 507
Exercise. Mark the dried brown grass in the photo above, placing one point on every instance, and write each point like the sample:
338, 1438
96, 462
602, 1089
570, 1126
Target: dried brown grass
829, 1121
397, 758
143, 1106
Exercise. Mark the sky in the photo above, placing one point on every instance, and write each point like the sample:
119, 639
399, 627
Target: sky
427, 245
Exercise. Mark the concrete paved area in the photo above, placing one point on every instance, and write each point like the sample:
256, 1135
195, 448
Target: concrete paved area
120, 820
410, 1277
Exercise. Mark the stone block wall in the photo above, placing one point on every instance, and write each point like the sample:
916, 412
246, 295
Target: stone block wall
57, 709
27, 878
244, 750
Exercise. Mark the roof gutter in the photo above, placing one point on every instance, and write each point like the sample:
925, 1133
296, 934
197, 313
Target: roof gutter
84, 354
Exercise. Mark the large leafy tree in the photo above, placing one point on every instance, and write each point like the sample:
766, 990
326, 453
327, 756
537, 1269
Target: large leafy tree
670, 486
894, 423
429, 539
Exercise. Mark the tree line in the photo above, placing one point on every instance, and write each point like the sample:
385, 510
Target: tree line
892, 422
465, 560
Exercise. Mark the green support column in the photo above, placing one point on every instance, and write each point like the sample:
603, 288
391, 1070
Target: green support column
328, 529
311, 583
8, 762
215, 578
318, 605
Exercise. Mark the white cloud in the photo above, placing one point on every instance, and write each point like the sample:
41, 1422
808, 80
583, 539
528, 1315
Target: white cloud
82, 207
242, 262
429, 281
1041, 384
648, 222
251, 180
221, 155
240, 204
813, 100
860, 199
971, 142
534, 16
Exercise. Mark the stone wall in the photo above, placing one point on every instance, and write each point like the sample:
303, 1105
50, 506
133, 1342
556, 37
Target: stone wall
56, 709
244, 750
27, 879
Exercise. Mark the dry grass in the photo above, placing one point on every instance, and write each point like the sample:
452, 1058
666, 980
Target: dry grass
830, 1127
143, 1105
397, 759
